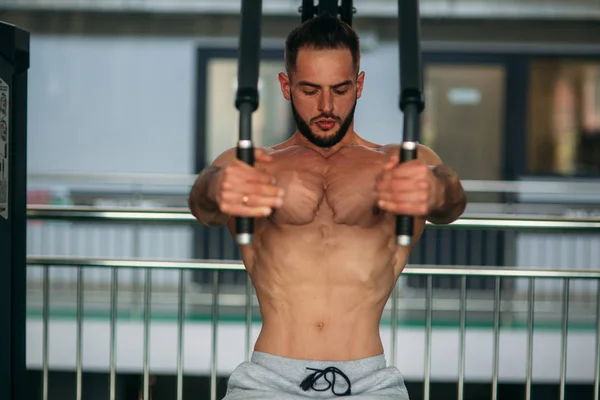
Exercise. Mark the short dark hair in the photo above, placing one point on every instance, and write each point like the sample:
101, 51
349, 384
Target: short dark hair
323, 32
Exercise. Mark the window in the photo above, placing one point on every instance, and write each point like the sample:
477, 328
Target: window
270, 122
564, 118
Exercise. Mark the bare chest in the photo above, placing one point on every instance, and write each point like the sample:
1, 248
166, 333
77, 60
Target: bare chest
339, 189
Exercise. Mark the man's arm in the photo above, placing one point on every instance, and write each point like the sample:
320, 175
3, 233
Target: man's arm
202, 199
230, 187
449, 197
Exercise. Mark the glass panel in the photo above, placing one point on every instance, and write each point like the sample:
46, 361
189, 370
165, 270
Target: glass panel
564, 118
271, 123
463, 117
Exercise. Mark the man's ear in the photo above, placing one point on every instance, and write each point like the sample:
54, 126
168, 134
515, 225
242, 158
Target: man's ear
286, 88
360, 81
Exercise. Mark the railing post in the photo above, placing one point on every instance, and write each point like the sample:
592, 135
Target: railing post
14, 63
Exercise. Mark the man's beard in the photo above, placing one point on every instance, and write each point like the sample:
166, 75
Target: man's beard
323, 141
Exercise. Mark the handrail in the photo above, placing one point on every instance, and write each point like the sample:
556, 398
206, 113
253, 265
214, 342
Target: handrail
233, 265
533, 186
109, 214
182, 215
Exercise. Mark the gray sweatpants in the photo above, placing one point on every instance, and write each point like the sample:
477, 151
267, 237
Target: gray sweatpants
269, 377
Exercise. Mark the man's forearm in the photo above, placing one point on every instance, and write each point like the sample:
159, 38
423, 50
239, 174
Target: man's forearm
453, 197
201, 201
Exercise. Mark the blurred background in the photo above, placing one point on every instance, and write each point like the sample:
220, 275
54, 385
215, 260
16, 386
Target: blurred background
129, 99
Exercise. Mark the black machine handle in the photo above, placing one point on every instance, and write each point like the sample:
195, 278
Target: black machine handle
247, 99
412, 100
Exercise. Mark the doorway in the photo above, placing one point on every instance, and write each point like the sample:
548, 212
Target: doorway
464, 117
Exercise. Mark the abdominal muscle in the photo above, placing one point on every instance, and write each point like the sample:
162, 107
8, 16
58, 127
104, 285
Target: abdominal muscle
322, 295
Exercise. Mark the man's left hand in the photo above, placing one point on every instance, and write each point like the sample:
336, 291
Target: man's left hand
409, 188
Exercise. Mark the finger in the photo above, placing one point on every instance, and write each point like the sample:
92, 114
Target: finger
384, 177
408, 185
240, 172
403, 208
251, 200
405, 197
239, 210
401, 182
258, 189
413, 168
383, 186
262, 155
393, 161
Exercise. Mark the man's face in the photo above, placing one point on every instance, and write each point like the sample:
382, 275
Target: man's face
323, 91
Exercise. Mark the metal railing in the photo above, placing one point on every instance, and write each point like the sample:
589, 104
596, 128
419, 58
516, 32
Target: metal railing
500, 305
216, 266
511, 239
183, 182
182, 216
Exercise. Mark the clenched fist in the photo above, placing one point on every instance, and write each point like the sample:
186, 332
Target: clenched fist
241, 190
408, 188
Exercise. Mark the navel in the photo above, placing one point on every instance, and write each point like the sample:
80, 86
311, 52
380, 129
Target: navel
320, 325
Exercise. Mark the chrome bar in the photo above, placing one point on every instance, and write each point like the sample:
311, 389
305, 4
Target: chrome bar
110, 214
531, 187
564, 333
496, 359
428, 321
529, 371
136, 252
248, 317
45, 328
436, 270
213, 350
147, 335
78, 363
180, 323
139, 264
597, 362
123, 179
113, 333
462, 333
394, 326
177, 215
524, 222
469, 185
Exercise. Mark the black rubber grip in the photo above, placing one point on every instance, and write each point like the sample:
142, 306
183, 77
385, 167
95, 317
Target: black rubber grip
330, 7
411, 69
308, 10
249, 45
404, 224
411, 102
246, 154
407, 155
244, 225
347, 11
247, 98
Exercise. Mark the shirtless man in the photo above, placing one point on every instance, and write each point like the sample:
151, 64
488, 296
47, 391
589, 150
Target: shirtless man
324, 260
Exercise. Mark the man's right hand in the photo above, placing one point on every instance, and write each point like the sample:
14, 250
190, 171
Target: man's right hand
241, 190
